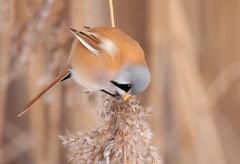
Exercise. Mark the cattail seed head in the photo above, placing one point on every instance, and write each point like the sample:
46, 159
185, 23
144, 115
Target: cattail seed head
122, 136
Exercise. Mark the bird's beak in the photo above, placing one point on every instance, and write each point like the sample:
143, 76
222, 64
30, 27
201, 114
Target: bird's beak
124, 89
126, 96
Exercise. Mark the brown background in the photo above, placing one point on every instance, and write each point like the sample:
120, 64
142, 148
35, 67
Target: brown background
192, 48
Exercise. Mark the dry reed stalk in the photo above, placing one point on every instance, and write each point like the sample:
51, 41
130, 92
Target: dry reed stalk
194, 121
157, 57
33, 53
54, 128
6, 18
111, 12
27, 34
37, 121
3, 92
223, 81
57, 51
121, 136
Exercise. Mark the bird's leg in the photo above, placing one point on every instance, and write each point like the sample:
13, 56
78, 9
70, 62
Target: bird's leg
111, 94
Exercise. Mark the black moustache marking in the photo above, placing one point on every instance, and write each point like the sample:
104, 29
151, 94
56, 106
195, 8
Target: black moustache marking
124, 87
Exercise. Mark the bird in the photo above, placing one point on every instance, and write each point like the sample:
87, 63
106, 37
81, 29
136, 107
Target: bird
103, 59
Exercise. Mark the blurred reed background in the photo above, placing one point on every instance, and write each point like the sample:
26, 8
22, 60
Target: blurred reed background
192, 48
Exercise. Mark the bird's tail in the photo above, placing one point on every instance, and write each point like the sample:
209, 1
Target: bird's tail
63, 76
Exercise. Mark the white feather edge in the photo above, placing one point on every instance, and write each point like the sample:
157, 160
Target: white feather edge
87, 45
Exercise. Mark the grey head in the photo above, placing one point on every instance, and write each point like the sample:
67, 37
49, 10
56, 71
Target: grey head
132, 79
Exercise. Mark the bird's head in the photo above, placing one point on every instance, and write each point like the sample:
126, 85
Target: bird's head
132, 80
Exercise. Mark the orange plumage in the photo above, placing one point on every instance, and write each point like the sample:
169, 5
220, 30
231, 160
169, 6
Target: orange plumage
106, 59
92, 67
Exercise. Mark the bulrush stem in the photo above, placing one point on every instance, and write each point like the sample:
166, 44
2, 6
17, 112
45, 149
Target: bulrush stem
122, 136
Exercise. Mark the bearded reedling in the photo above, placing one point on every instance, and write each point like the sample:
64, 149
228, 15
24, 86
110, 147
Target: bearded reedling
104, 59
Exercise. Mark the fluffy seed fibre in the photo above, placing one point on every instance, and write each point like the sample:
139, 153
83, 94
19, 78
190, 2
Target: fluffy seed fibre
122, 136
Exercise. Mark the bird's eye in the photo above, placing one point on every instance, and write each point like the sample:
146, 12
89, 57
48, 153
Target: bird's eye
124, 87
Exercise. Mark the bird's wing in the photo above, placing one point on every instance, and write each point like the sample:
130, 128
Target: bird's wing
88, 40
